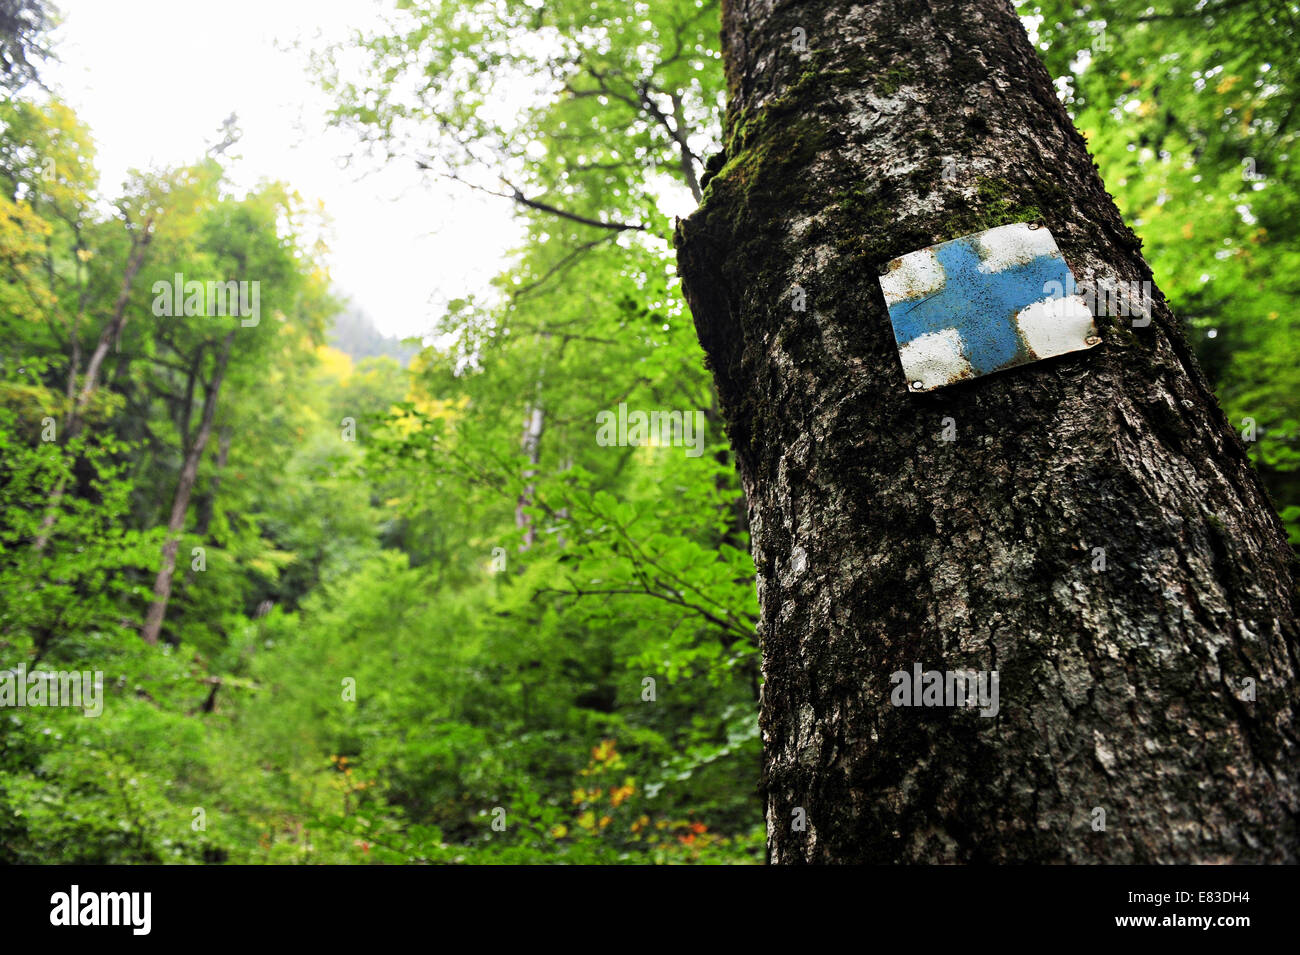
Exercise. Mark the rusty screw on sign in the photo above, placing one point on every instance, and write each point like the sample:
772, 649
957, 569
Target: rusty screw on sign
983, 303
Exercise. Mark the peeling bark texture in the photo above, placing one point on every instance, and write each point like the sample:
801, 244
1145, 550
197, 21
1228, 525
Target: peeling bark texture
879, 545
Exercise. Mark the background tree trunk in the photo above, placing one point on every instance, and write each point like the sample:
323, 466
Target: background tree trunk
534, 422
162, 588
879, 546
111, 332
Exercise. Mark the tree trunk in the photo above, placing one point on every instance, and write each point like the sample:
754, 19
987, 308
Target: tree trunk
878, 545
207, 506
110, 333
113, 330
534, 421
162, 587
534, 424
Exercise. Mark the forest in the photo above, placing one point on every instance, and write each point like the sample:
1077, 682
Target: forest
485, 595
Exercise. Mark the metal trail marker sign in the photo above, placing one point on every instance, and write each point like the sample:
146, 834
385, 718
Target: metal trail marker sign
982, 303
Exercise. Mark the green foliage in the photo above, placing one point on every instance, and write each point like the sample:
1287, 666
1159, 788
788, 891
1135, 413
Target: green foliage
422, 615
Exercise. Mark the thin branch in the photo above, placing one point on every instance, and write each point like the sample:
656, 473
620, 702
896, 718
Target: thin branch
561, 265
518, 197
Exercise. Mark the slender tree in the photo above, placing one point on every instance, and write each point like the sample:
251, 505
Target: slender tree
1092, 530
162, 588
108, 336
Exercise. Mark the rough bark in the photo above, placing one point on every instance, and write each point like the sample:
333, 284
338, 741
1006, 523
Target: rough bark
878, 545
162, 587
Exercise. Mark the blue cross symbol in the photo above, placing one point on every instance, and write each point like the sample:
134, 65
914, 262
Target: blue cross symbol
981, 306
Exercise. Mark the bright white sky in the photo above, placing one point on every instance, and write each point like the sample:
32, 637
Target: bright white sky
153, 79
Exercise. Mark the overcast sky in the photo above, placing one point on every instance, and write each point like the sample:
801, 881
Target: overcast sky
153, 79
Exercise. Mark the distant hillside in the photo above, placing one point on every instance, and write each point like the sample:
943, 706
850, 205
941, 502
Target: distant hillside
356, 335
